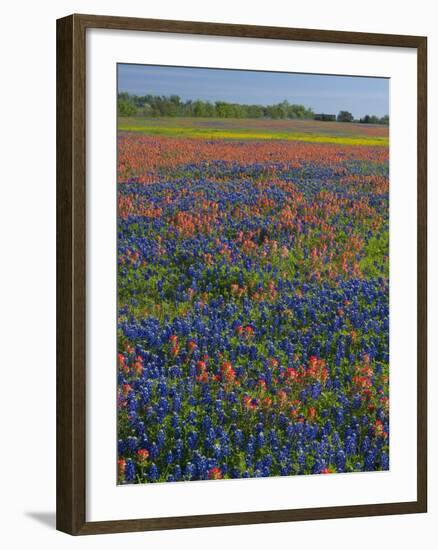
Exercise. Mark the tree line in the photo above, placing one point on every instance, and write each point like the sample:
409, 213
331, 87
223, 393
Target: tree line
173, 106
345, 116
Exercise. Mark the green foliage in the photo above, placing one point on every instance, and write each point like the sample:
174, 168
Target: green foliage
345, 116
173, 106
372, 119
125, 105
375, 261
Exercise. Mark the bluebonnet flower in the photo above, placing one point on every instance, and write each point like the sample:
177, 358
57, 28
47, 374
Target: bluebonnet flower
130, 471
384, 461
153, 473
201, 282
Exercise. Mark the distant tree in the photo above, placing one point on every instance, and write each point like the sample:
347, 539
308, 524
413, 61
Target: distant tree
345, 116
126, 106
147, 110
209, 109
373, 119
173, 106
223, 109
254, 111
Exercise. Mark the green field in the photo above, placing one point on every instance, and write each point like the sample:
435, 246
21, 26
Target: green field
259, 129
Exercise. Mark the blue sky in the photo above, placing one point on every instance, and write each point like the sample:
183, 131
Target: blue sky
323, 93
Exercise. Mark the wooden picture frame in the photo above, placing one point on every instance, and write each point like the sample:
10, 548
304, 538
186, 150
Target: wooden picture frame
71, 273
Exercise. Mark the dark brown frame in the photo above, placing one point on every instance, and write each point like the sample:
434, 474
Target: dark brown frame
71, 266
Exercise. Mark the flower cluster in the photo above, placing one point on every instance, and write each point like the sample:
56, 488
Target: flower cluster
253, 318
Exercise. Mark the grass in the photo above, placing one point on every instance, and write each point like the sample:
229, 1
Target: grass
310, 131
375, 262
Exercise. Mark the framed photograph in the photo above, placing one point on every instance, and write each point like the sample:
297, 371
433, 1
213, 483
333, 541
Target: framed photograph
241, 274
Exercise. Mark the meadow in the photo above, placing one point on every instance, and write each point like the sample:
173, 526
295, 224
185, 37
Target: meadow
253, 298
229, 128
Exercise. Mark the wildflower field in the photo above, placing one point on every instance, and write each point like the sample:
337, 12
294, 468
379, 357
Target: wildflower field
253, 299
